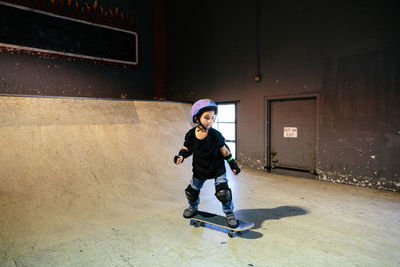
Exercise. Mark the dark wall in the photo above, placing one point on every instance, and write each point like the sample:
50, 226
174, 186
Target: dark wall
347, 52
360, 119
51, 76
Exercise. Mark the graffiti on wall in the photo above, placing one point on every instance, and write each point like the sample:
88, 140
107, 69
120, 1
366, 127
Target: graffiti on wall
88, 10
75, 29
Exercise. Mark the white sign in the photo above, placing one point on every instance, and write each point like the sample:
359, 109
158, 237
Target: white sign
290, 132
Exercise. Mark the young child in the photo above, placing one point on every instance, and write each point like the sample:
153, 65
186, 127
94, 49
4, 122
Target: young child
209, 151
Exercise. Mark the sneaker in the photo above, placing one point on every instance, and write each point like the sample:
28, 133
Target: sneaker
189, 212
232, 222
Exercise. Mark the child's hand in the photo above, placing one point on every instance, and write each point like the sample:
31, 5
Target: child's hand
178, 160
236, 171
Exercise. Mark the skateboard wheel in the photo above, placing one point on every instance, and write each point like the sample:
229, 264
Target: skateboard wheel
196, 224
230, 234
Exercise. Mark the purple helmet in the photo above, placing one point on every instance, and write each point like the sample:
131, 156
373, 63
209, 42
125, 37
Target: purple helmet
203, 105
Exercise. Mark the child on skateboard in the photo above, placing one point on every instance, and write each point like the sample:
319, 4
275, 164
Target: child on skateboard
209, 151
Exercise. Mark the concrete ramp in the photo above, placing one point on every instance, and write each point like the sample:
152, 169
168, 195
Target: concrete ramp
92, 183
75, 166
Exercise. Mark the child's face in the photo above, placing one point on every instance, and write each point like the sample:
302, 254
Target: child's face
207, 119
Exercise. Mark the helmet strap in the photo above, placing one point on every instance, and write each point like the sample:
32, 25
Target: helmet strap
201, 126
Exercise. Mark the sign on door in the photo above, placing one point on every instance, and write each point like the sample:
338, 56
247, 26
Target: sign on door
290, 132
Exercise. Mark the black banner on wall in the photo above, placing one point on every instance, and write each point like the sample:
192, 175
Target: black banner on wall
29, 31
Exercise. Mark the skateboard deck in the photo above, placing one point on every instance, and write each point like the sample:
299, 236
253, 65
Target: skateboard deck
219, 223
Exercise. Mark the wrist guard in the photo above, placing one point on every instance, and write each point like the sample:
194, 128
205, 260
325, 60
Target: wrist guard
232, 163
184, 153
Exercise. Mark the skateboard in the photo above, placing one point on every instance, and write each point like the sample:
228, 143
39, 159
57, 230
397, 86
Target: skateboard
219, 223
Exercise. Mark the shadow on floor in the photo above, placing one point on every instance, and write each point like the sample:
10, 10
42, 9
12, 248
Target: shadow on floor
258, 216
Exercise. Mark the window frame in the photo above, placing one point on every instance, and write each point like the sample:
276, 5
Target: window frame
234, 122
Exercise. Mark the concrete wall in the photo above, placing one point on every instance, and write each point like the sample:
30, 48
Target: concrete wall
345, 51
32, 75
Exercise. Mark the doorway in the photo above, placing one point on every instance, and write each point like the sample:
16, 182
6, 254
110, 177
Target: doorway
291, 134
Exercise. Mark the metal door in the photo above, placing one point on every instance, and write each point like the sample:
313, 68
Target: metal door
293, 134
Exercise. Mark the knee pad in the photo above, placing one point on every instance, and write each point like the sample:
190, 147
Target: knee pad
192, 194
223, 193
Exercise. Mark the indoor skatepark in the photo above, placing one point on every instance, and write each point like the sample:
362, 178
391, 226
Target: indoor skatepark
95, 102
88, 182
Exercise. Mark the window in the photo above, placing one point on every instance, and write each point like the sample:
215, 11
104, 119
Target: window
226, 124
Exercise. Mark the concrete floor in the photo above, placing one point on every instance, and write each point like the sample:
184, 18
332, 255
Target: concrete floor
92, 183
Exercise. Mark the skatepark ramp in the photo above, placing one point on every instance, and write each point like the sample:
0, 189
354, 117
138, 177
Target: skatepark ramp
89, 182
70, 166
